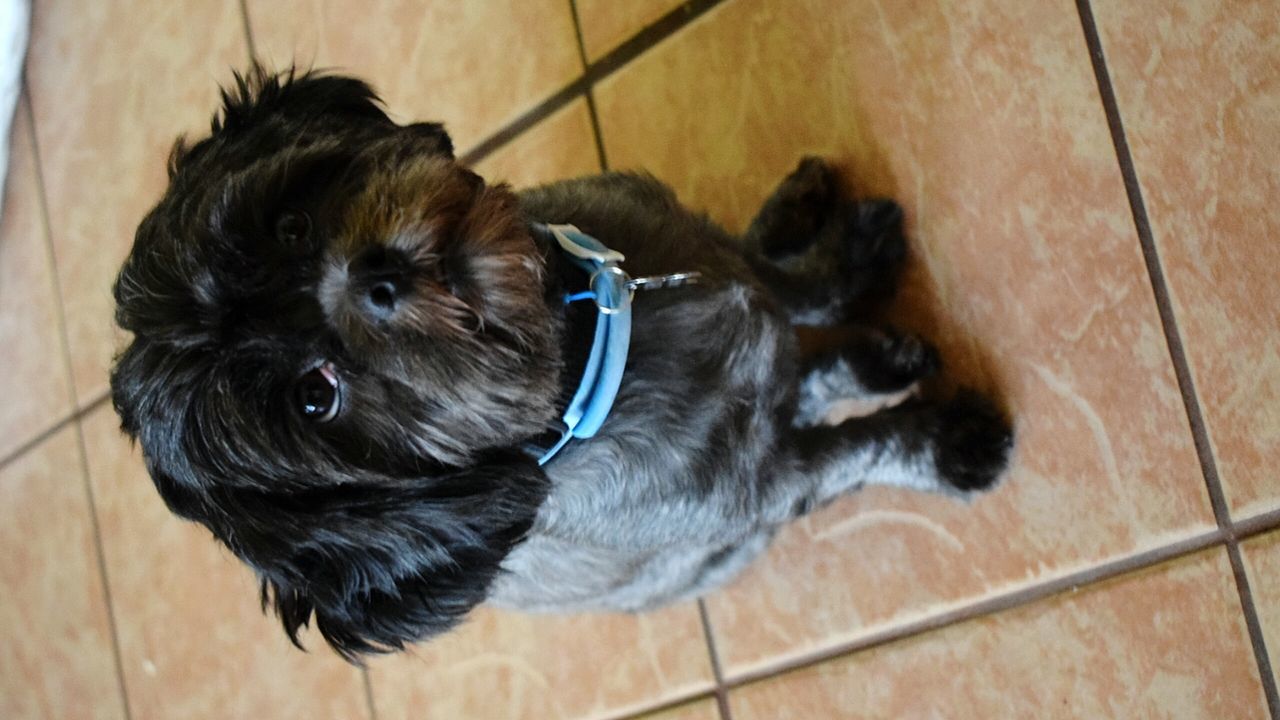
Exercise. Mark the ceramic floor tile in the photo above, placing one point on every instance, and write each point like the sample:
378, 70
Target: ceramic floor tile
193, 640
1168, 643
56, 657
1198, 85
513, 665
510, 665
560, 146
1262, 562
34, 383
475, 66
983, 119
112, 84
606, 24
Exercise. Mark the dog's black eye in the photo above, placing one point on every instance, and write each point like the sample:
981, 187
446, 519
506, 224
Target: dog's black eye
292, 227
318, 394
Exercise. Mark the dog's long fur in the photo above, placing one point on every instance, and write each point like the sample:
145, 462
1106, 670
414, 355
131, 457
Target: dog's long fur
422, 497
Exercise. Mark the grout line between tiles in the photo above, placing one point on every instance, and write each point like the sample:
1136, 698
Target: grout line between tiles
515, 128
595, 130
577, 33
83, 455
248, 31
37, 440
721, 693
1254, 625
990, 605
1177, 351
1155, 271
652, 34
368, 692
1255, 525
100, 552
611, 62
590, 96
670, 703
53, 429
64, 343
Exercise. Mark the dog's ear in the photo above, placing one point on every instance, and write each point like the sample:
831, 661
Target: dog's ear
378, 560
384, 565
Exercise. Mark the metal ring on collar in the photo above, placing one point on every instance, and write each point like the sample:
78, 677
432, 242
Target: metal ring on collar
624, 291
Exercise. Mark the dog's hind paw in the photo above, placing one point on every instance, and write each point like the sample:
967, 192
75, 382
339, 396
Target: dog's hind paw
866, 242
799, 208
972, 442
874, 237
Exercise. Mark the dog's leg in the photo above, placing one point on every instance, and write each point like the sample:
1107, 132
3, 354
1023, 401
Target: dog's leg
956, 447
869, 369
821, 253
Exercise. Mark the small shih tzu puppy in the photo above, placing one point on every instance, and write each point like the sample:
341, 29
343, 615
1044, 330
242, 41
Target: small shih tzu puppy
397, 391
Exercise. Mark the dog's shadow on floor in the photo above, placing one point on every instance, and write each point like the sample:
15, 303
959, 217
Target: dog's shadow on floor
920, 308
919, 305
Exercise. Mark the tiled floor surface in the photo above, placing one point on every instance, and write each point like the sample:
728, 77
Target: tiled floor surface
1091, 189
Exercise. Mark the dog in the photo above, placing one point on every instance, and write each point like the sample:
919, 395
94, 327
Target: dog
351, 359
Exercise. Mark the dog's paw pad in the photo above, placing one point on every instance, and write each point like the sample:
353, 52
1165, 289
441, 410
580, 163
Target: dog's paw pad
973, 442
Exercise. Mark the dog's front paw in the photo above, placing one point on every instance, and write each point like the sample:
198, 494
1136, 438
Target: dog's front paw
972, 442
894, 362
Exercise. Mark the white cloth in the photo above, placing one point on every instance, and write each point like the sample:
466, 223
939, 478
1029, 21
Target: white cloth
15, 22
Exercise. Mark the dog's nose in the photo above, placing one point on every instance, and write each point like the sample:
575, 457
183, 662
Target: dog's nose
377, 281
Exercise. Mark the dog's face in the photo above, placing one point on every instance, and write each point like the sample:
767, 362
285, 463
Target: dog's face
341, 337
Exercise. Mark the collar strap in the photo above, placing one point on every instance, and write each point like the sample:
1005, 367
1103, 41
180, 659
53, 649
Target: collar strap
609, 287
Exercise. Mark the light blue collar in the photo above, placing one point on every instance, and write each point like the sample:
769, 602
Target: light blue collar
611, 290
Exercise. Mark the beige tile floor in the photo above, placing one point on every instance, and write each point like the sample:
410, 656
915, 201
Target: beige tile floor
1090, 188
